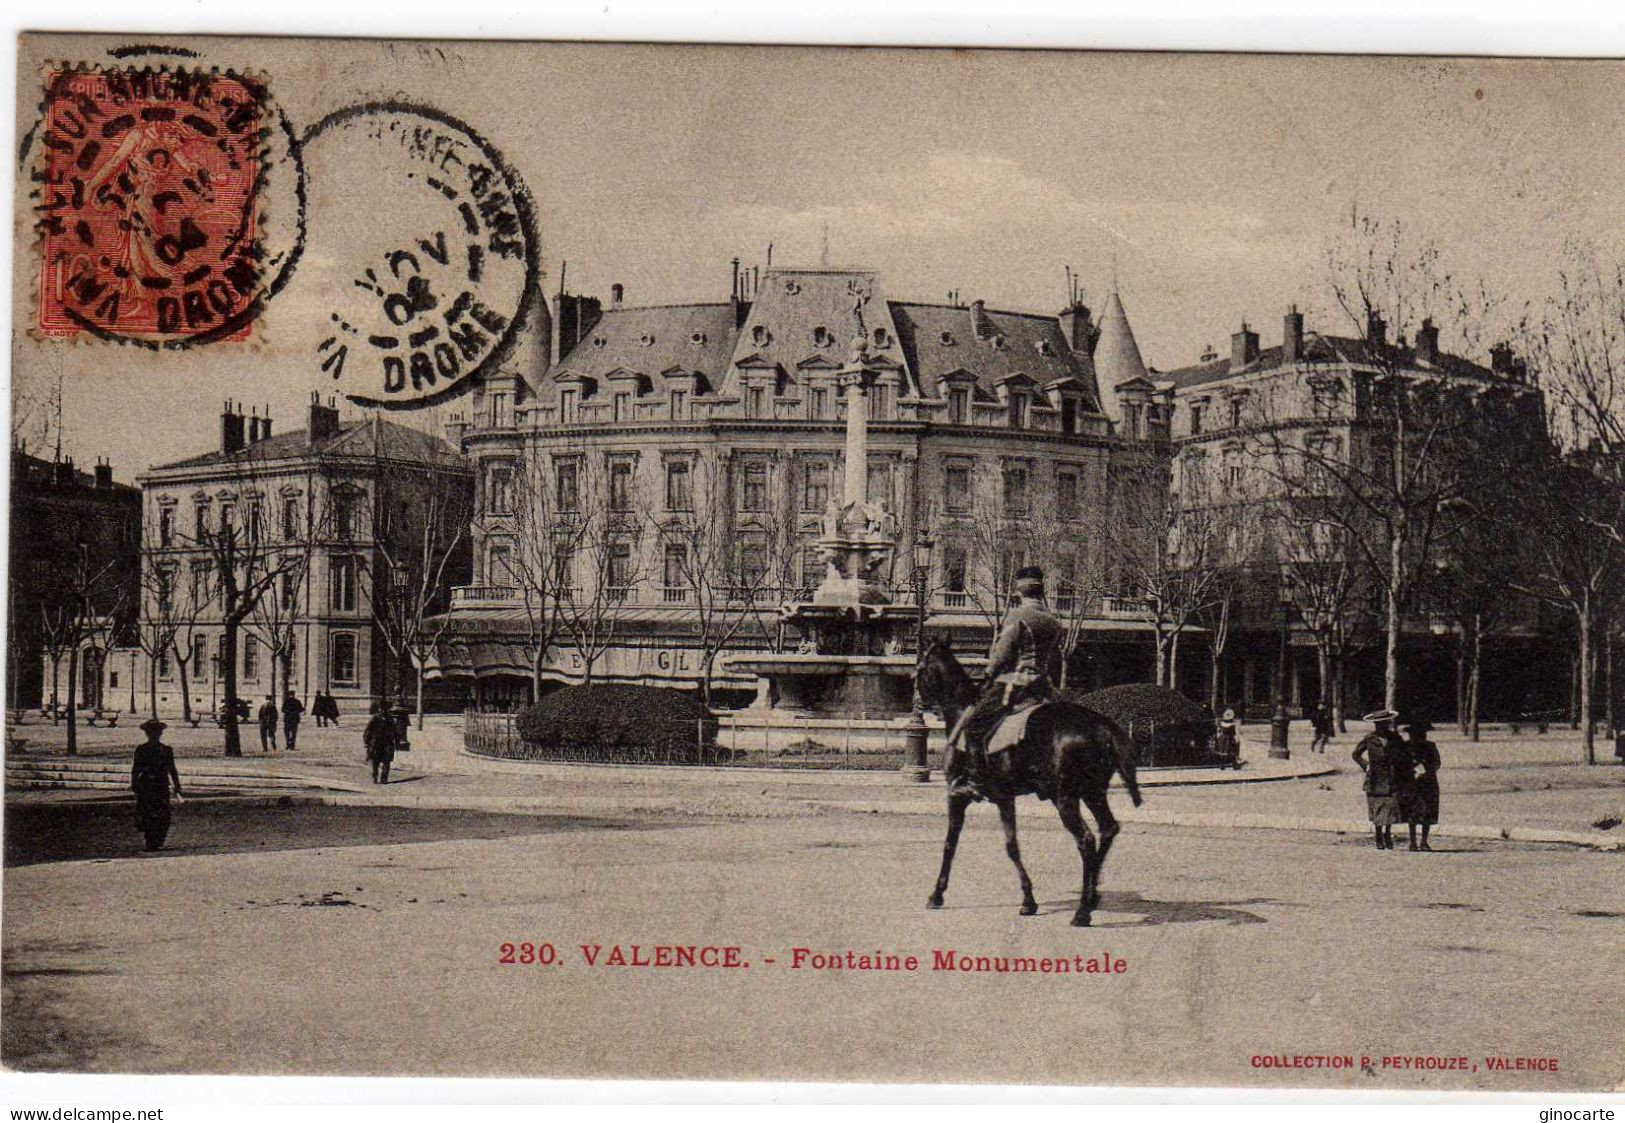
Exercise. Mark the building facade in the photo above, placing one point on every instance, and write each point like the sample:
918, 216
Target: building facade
1283, 455
73, 584
712, 436
323, 531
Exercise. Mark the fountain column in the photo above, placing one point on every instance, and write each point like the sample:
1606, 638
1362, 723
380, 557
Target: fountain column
857, 438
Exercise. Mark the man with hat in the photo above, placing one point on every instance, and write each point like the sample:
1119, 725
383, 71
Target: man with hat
151, 774
1226, 745
1378, 754
1422, 806
267, 718
1023, 665
378, 738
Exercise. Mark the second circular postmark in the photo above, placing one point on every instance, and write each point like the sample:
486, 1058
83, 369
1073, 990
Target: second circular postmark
427, 243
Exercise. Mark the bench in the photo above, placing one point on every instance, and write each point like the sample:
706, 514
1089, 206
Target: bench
109, 716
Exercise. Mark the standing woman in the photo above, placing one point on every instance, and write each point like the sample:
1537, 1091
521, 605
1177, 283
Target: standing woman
1424, 809
1376, 757
151, 775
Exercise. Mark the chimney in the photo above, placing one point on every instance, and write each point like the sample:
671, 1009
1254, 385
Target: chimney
573, 318
1501, 358
456, 426
1079, 329
104, 476
980, 326
254, 426
1427, 342
1243, 347
1292, 336
616, 293
1376, 330
265, 425
1208, 354
324, 420
62, 472
231, 430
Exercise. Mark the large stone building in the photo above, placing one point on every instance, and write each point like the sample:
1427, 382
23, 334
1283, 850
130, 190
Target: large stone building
988, 434
1275, 445
75, 540
322, 517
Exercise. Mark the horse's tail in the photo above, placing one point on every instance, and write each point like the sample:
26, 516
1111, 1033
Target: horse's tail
1124, 745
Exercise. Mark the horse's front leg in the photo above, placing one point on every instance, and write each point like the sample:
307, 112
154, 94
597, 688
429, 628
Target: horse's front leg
1089, 895
1007, 816
956, 822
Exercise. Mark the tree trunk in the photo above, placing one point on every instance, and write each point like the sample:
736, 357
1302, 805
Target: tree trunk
1395, 622
73, 688
186, 684
1475, 676
1461, 681
1588, 736
56, 677
1323, 667
1213, 680
152, 684
228, 661
417, 666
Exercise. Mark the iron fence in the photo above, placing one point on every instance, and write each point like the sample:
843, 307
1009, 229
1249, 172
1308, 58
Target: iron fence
699, 742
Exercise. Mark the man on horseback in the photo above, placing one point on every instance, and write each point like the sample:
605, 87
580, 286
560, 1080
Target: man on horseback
1023, 667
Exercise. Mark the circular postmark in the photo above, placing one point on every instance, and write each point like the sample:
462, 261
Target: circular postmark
169, 201
429, 253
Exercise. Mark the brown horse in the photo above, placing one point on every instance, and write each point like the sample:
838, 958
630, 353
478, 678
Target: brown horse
1068, 754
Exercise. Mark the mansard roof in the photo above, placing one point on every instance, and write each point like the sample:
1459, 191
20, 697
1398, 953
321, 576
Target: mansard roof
364, 437
940, 339
1329, 350
697, 338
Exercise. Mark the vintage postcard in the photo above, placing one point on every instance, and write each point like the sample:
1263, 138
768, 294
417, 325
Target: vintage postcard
525, 556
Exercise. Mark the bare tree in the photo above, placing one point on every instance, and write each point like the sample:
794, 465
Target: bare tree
533, 540
608, 530
1167, 557
243, 560
81, 601
422, 540
161, 605
1405, 463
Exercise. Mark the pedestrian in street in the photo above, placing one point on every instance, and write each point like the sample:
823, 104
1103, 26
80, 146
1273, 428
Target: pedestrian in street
318, 709
379, 741
1321, 722
152, 774
292, 711
1424, 802
1226, 745
1376, 755
267, 716
332, 711
401, 723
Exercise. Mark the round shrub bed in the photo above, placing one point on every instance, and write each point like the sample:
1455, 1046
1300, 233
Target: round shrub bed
1168, 728
619, 723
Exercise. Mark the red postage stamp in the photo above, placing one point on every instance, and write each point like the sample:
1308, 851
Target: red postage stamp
148, 204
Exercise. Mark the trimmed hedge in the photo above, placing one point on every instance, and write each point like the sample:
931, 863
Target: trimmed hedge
620, 721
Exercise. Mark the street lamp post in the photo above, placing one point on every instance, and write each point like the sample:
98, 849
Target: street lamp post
1280, 723
916, 767
132, 684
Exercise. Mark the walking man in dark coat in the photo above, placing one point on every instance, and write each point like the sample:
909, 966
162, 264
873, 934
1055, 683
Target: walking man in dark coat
1377, 754
379, 739
292, 710
151, 775
267, 716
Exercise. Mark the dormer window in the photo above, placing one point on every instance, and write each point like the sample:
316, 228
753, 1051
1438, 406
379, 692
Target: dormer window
791, 288
946, 339
646, 339
1018, 410
998, 343
697, 338
882, 337
599, 341
758, 335
821, 336
1044, 348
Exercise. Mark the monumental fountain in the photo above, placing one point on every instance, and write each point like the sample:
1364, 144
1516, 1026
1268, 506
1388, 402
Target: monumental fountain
848, 686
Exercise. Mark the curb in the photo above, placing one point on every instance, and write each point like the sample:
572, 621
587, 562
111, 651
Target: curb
624, 805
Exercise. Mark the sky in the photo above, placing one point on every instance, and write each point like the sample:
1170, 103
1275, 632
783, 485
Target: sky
1206, 187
